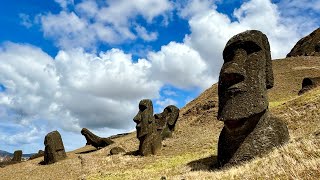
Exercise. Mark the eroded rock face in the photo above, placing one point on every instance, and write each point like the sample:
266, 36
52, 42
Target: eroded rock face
17, 156
249, 130
95, 140
307, 46
54, 149
308, 84
166, 121
150, 140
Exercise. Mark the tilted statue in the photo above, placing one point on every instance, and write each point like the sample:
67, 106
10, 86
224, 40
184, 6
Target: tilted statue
150, 140
166, 121
54, 149
95, 140
249, 129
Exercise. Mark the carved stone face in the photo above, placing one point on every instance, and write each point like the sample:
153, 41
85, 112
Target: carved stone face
172, 116
144, 118
244, 78
168, 117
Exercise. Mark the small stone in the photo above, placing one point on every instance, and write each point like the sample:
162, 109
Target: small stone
117, 150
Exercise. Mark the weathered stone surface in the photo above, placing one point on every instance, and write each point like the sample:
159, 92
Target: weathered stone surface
95, 140
307, 46
117, 150
54, 149
249, 129
308, 84
17, 155
39, 154
150, 140
166, 121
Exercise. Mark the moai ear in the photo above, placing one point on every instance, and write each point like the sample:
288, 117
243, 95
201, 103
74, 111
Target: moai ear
269, 71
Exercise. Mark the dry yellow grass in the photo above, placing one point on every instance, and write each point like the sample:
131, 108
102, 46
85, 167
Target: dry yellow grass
191, 151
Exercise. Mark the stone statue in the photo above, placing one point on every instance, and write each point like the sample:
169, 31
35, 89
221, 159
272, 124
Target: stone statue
17, 155
249, 129
150, 140
308, 84
39, 154
166, 121
95, 140
54, 149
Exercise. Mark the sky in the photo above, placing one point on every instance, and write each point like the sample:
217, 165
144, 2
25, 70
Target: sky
69, 64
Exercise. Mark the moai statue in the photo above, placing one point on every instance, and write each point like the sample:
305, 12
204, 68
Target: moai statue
166, 121
308, 84
249, 129
17, 155
54, 149
95, 140
39, 154
150, 140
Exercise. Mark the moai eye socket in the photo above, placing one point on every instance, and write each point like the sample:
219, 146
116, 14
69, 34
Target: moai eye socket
142, 107
249, 46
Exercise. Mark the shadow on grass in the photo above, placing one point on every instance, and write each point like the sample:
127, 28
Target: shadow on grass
86, 152
205, 164
133, 153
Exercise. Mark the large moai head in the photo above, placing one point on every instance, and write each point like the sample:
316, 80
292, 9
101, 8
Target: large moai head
17, 156
166, 120
244, 79
144, 119
54, 149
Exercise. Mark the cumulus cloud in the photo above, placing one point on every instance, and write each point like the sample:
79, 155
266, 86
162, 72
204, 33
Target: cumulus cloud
210, 29
110, 22
163, 103
74, 90
179, 65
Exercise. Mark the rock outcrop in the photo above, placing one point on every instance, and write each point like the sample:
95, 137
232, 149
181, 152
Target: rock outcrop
307, 46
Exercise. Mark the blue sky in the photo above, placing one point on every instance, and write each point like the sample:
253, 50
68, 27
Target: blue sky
69, 64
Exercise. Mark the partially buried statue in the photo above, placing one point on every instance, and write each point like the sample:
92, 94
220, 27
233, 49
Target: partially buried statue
249, 129
150, 140
54, 149
17, 156
166, 121
95, 140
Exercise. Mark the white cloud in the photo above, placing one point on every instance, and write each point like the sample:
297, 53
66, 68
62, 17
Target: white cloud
180, 66
163, 103
76, 89
110, 22
142, 32
25, 20
64, 3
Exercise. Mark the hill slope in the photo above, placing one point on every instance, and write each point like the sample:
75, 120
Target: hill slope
192, 149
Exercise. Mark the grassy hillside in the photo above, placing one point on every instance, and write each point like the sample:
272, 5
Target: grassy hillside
192, 150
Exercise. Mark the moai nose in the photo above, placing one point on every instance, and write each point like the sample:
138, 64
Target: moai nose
137, 118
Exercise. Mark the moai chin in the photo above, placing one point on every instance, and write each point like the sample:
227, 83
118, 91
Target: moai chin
150, 140
95, 140
54, 149
166, 121
17, 156
249, 129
